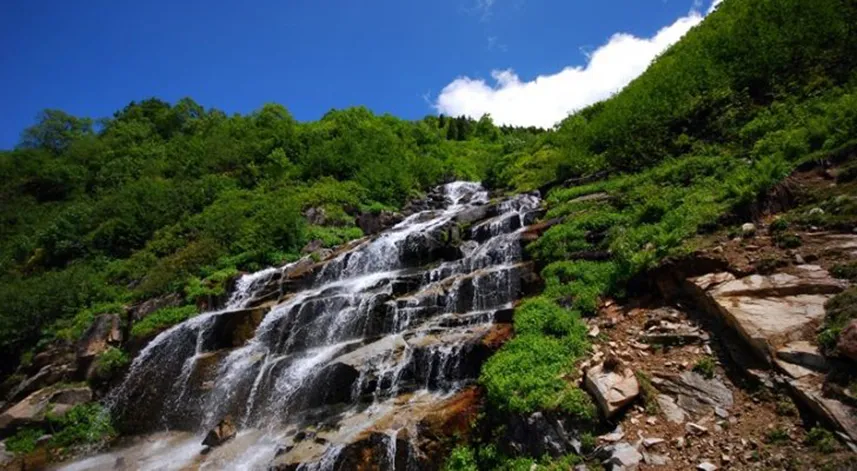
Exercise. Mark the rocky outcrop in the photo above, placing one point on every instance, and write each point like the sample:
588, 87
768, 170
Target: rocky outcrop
104, 332
769, 311
34, 408
540, 434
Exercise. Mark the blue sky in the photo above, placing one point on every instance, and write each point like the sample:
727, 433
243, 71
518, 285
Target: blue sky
409, 58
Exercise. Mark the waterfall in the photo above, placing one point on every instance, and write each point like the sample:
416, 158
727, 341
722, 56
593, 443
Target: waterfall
346, 347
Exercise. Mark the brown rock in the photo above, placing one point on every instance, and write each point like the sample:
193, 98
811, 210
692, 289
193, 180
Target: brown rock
33, 408
221, 433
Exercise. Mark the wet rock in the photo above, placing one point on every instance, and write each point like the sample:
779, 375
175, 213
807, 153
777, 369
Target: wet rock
620, 456
221, 433
847, 344
234, 328
104, 331
694, 394
613, 388
477, 213
373, 223
504, 316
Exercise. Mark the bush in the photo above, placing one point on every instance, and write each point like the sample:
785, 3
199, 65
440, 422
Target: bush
24, 441
162, 319
84, 424
822, 440
111, 361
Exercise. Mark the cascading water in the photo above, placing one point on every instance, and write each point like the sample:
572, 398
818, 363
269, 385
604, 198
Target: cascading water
342, 348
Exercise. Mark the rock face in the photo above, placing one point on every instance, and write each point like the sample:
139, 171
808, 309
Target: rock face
777, 317
372, 223
541, 434
769, 311
613, 388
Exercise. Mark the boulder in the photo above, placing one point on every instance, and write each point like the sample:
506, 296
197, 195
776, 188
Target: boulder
105, 330
613, 388
620, 456
47, 376
476, 213
33, 408
316, 216
373, 223
829, 409
312, 246
220, 434
847, 344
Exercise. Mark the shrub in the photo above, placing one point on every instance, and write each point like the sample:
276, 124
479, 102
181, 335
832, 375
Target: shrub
822, 440
111, 361
84, 424
24, 441
846, 271
162, 319
462, 458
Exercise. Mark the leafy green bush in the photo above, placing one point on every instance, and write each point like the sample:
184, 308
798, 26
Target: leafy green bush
111, 361
162, 319
846, 271
527, 374
462, 458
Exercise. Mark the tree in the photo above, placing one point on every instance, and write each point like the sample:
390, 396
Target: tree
54, 131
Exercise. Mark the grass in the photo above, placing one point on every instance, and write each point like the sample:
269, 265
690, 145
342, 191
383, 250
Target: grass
82, 425
706, 367
648, 393
162, 319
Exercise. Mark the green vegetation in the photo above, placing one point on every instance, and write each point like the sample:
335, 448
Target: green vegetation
839, 311
648, 393
705, 366
528, 373
822, 440
175, 198
776, 435
85, 424
112, 360
162, 319
847, 271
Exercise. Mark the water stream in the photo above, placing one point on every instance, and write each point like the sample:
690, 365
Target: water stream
368, 338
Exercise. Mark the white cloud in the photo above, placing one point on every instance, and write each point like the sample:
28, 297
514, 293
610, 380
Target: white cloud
547, 99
